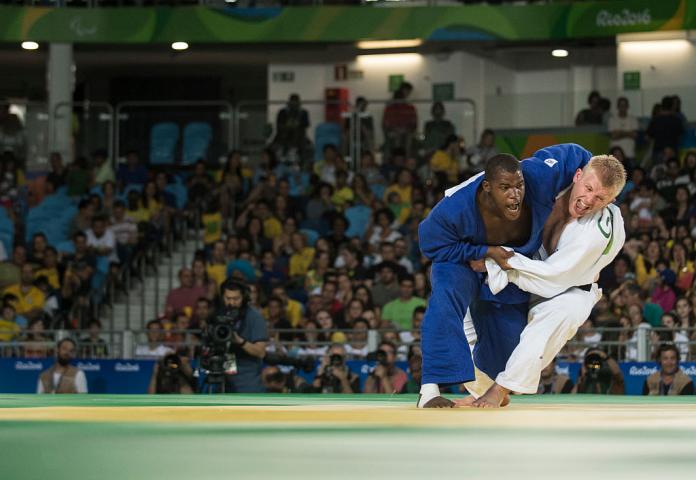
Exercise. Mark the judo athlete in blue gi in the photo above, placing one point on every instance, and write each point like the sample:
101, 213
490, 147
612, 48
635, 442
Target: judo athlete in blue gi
507, 204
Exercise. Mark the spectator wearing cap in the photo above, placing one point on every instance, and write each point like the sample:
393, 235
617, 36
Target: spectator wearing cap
243, 269
663, 294
670, 380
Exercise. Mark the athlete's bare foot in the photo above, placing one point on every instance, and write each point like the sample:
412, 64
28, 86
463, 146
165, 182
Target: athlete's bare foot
438, 402
495, 397
465, 402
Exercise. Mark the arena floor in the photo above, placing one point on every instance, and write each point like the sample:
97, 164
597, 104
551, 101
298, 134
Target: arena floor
339, 436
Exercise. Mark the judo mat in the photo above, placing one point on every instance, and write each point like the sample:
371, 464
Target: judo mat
343, 436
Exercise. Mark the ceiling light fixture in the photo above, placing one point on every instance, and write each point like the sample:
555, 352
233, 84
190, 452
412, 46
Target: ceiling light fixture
376, 44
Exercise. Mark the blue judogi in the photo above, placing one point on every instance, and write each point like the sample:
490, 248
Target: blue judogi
454, 233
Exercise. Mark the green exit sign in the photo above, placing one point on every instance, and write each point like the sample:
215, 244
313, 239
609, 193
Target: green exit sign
631, 81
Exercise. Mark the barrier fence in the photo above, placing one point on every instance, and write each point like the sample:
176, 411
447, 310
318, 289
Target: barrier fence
639, 344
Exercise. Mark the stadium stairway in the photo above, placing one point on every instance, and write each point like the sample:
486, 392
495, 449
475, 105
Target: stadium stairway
147, 296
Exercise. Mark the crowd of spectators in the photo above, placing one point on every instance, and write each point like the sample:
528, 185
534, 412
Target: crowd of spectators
330, 253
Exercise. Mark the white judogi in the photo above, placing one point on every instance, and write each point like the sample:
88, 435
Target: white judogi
585, 247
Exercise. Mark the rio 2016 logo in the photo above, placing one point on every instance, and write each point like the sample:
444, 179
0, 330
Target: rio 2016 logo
624, 18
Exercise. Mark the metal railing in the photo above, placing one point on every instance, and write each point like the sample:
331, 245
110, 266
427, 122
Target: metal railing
256, 128
641, 345
94, 126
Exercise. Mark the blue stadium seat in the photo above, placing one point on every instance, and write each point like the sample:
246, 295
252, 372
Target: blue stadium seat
326, 133
66, 247
378, 189
312, 236
163, 139
180, 193
6, 231
196, 141
359, 217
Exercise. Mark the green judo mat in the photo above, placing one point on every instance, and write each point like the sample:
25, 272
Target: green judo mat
343, 436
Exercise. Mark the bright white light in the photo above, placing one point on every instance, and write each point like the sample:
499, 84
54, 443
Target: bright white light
656, 46
30, 45
374, 44
180, 45
559, 53
393, 59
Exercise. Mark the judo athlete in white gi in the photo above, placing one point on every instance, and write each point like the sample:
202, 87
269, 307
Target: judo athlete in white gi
583, 241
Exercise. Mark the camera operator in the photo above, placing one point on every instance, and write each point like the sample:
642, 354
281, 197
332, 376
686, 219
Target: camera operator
249, 337
600, 374
333, 375
172, 374
386, 377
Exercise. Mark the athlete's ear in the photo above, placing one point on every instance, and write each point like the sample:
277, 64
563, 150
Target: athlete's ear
578, 174
486, 185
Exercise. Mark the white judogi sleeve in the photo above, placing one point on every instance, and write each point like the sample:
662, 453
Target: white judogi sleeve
586, 246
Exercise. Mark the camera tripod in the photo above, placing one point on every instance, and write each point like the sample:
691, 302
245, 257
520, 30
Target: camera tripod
214, 382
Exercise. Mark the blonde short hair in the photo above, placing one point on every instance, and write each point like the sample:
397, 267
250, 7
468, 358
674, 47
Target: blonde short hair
610, 171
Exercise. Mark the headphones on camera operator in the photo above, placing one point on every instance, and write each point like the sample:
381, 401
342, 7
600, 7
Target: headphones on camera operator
234, 285
231, 284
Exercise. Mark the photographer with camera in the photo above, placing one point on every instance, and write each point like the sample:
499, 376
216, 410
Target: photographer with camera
172, 374
333, 375
600, 374
386, 377
234, 343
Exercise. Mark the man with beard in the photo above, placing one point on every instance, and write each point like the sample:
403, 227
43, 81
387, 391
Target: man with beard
507, 204
63, 377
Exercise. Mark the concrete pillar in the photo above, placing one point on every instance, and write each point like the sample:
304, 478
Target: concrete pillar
60, 82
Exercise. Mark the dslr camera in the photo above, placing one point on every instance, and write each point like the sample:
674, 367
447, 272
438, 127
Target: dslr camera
335, 361
170, 375
597, 368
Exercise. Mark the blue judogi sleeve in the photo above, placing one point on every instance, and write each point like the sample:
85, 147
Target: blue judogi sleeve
550, 170
450, 231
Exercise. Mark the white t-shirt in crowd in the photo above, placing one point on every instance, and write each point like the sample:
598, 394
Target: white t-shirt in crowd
144, 351
629, 123
107, 240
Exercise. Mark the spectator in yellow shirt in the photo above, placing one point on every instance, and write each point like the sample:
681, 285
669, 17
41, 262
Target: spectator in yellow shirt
9, 330
293, 308
272, 227
403, 186
302, 256
217, 268
30, 300
446, 159
49, 268
343, 194
212, 224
